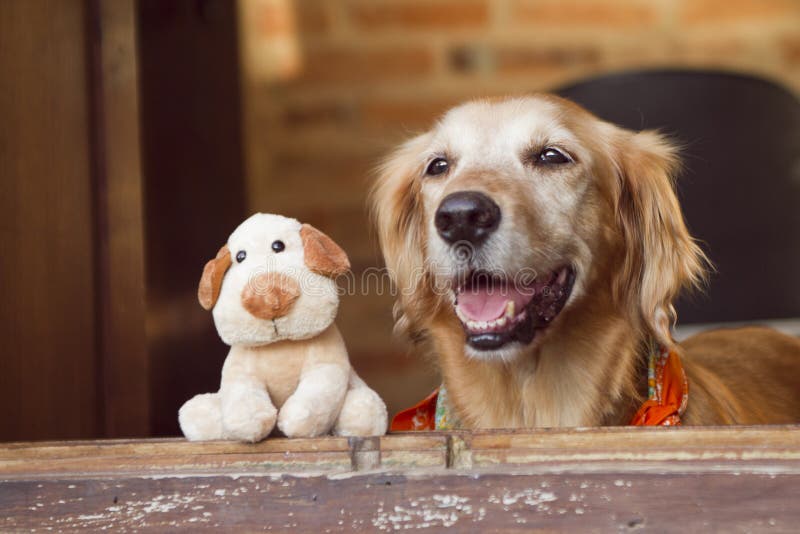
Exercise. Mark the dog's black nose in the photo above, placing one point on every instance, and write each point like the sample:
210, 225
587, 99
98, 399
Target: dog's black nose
467, 216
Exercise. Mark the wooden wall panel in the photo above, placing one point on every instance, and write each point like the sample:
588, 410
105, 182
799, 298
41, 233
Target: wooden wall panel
194, 186
47, 325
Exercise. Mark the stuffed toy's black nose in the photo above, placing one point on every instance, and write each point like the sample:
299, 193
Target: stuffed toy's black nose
467, 216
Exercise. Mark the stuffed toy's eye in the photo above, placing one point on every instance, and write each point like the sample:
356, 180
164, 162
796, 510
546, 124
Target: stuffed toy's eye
240, 256
278, 246
437, 166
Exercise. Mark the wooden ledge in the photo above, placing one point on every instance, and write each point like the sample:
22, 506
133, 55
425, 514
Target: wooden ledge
724, 447
596, 479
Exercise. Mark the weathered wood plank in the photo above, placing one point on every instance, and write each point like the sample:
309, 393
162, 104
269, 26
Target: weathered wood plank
638, 437
165, 447
747, 445
328, 454
408, 451
293, 462
688, 479
603, 502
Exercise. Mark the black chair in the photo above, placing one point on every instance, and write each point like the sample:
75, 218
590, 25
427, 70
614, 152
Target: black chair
740, 186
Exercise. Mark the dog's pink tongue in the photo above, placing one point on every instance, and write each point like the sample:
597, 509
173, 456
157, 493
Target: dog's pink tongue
489, 303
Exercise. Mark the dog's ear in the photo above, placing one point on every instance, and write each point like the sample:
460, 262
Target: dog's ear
661, 257
397, 212
211, 281
321, 253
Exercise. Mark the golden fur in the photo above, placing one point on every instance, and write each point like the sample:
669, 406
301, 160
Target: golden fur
615, 216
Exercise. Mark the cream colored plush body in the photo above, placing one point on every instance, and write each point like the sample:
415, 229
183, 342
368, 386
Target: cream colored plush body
288, 364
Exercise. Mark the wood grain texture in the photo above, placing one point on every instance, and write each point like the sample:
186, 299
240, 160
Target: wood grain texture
194, 187
119, 224
629, 444
47, 320
474, 502
582, 480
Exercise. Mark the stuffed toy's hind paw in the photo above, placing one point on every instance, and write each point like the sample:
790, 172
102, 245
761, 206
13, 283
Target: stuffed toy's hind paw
200, 418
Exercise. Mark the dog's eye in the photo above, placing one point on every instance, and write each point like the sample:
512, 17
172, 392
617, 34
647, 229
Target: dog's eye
437, 166
552, 156
240, 256
278, 246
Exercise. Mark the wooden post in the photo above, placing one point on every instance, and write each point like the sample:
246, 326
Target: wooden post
117, 180
47, 319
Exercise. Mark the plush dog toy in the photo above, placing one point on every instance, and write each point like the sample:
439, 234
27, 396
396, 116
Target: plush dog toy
274, 299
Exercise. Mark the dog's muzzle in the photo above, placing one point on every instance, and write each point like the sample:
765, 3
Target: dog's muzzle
270, 295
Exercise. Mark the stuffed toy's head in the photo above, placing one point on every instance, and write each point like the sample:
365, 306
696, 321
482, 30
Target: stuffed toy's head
273, 280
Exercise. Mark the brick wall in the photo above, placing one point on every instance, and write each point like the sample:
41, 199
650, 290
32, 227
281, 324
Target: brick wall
331, 85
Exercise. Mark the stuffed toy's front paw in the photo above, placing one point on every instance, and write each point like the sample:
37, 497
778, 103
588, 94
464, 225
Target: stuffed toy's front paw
363, 414
300, 419
247, 413
200, 418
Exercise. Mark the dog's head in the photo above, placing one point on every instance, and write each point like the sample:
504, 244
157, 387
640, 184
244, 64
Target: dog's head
273, 280
508, 213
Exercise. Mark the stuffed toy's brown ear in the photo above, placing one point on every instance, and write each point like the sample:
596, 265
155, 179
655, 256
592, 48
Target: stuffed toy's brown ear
211, 281
322, 254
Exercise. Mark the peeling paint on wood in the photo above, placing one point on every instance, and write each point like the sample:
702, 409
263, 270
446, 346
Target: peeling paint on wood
496, 502
744, 479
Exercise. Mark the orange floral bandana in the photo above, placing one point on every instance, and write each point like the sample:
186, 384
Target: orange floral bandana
668, 391
421, 416
668, 395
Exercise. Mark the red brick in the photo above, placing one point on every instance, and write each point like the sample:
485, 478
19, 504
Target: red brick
357, 65
711, 50
287, 17
790, 50
312, 16
586, 13
316, 180
409, 113
274, 18
518, 60
318, 114
348, 225
730, 11
418, 15
522, 59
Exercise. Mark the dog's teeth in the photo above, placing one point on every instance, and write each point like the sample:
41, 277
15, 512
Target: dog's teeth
482, 326
510, 309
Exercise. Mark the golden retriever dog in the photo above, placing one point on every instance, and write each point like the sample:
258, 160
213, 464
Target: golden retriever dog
537, 250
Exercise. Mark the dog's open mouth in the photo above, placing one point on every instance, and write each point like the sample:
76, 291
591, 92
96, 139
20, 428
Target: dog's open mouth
495, 310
